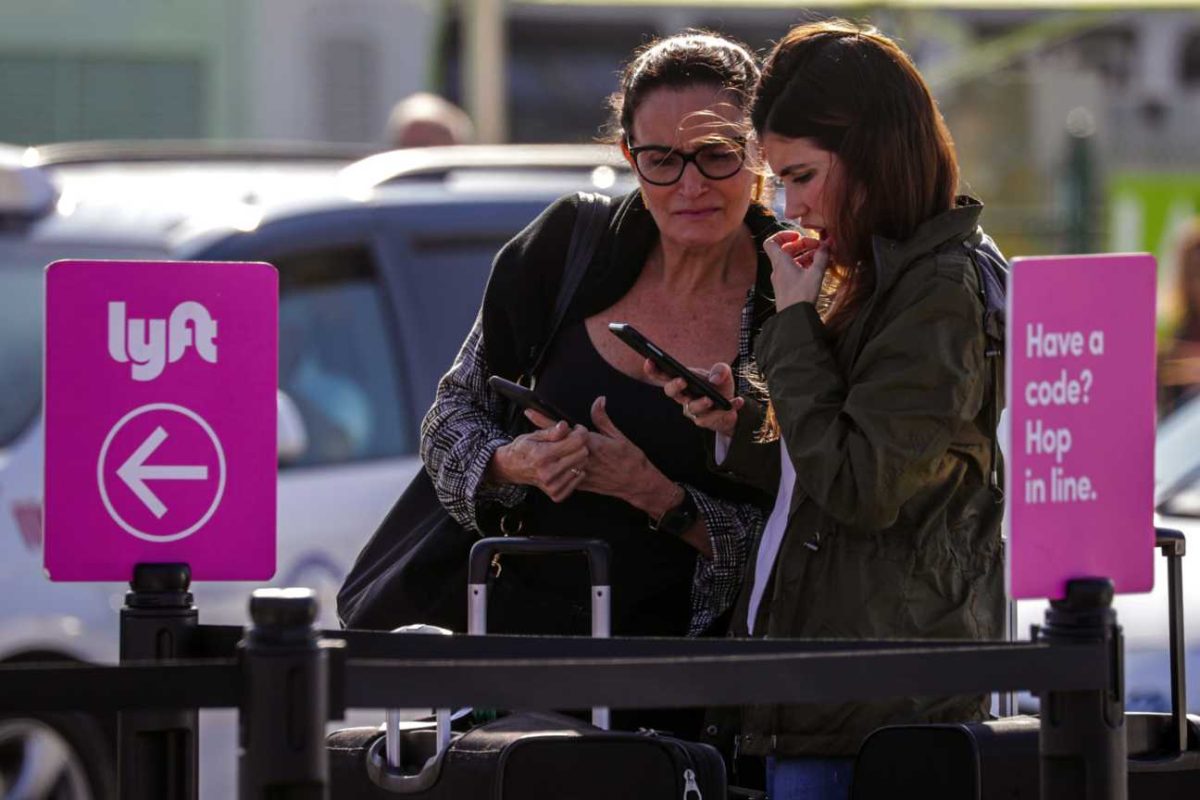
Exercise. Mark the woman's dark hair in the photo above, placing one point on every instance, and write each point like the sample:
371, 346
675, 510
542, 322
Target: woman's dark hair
692, 58
855, 93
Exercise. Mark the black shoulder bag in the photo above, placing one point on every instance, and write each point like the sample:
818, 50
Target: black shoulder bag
414, 567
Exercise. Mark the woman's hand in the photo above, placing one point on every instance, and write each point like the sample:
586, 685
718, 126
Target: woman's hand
551, 459
798, 267
701, 410
618, 468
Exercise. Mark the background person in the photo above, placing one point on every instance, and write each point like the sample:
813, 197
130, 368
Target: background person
1179, 371
427, 120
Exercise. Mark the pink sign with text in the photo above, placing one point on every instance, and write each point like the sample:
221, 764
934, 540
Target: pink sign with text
1081, 387
160, 425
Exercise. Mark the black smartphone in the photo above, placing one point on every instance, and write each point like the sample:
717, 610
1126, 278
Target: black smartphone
527, 398
696, 386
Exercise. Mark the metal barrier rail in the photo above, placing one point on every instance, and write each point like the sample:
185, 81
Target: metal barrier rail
287, 682
683, 679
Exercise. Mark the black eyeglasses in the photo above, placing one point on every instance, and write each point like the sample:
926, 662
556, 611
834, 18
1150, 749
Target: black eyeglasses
663, 166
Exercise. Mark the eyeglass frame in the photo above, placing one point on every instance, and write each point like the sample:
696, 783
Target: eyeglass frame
688, 158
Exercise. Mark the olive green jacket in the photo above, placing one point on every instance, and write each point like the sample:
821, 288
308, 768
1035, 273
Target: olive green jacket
894, 526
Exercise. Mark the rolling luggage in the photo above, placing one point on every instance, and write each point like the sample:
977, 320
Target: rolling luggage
999, 758
525, 755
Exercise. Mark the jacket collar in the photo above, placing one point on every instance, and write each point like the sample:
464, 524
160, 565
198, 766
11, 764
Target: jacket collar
957, 224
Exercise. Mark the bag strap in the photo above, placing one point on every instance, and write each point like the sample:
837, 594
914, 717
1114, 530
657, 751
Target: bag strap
993, 279
590, 224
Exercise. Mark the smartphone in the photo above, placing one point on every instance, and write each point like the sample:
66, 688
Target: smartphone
696, 386
527, 398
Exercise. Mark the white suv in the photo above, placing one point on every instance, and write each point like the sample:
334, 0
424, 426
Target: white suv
382, 264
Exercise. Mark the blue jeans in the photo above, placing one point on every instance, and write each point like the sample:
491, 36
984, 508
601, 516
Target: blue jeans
809, 778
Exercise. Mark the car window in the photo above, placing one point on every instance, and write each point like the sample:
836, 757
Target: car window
20, 350
336, 358
21, 291
441, 289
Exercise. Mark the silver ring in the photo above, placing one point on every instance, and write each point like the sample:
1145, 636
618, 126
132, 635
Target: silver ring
687, 411
576, 471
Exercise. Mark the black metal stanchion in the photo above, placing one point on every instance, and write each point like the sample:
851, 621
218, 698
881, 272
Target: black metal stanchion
157, 759
285, 700
1082, 743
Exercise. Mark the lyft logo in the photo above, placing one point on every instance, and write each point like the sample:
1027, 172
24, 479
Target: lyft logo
153, 343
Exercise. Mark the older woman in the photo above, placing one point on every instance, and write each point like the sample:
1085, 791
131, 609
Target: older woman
682, 260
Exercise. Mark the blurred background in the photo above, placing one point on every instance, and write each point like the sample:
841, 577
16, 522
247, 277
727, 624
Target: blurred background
1076, 121
287, 131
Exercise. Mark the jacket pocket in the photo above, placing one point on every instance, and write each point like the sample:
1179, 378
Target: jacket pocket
864, 582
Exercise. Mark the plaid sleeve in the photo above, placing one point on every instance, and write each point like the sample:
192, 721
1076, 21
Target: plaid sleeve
732, 527
462, 431
715, 585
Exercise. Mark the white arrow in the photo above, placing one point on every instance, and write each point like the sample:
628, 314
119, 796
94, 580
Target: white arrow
135, 473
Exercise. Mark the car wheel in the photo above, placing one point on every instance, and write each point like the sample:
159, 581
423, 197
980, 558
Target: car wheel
55, 757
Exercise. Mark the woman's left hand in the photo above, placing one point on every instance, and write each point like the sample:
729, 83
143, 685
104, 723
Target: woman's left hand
798, 267
618, 467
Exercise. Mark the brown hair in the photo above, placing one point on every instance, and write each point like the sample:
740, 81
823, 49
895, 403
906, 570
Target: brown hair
855, 93
692, 58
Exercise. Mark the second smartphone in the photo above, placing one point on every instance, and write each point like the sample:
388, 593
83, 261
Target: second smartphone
527, 398
697, 387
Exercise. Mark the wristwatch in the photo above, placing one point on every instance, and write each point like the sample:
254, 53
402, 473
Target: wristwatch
676, 521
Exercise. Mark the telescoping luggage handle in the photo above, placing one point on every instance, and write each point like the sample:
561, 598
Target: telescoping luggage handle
1174, 547
384, 757
597, 553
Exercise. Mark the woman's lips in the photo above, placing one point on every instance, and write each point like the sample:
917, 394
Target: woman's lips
696, 213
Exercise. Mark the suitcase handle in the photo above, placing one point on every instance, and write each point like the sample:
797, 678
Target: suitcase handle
1173, 545
597, 553
384, 767
598, 556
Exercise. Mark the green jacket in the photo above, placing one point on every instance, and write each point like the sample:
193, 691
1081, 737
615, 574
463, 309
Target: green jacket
894, 529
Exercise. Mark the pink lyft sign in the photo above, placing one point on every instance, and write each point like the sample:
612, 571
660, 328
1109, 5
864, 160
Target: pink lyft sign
1080, 472
160, 418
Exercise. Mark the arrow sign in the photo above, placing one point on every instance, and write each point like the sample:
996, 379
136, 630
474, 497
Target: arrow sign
135, 472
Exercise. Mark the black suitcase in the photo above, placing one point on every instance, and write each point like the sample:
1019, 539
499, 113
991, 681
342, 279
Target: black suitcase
999, 758
526, 754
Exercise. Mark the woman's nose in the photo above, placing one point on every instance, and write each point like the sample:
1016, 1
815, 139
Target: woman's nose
795, 205
692, 182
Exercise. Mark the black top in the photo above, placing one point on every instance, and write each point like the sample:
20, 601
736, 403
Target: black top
652, 569
652, 572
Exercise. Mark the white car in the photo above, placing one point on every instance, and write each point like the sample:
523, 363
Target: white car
382, 264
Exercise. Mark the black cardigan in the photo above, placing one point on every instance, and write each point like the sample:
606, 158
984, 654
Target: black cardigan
527, 271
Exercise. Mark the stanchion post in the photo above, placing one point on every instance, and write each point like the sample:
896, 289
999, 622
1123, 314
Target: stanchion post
1082, 742
157, 759
285, 700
